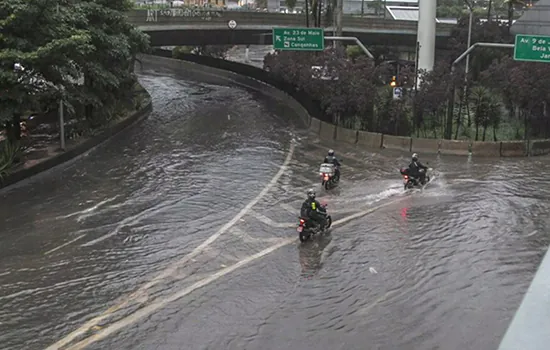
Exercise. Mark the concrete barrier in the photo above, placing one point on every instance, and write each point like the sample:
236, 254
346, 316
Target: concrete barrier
454, 147
486, 149
514, 148
397, 142
346, 135
327, 131
425, 145
369, 139
539, 147
315, 126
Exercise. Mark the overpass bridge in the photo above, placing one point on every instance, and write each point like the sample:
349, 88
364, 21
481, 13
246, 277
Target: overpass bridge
178, 26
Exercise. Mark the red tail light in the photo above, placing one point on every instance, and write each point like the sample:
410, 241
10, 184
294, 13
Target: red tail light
405, 177
302, 221
326, 178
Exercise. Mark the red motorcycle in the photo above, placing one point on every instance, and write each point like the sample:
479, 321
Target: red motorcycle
306, 228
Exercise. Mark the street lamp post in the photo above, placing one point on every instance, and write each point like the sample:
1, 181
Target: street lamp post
61, 124
18, 67
469, 37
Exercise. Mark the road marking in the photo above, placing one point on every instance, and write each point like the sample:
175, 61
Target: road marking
65, 244
173, 267
149, 309
248, 238
264, 219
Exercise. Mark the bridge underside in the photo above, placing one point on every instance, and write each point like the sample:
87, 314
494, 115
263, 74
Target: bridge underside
197, 37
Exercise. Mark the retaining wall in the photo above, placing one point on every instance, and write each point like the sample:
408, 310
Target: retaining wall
346, 135
401, 143
316, 119
327, 131
425, 145
538, 147
454, 147
514, 148
490, 149
369, 139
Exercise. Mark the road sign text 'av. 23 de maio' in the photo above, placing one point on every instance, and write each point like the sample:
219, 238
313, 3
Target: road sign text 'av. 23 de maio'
299, 39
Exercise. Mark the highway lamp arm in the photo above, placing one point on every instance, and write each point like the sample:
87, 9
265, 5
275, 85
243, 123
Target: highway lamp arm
351, 38
474, 46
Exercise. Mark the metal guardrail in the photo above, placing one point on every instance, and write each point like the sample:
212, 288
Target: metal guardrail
215, 18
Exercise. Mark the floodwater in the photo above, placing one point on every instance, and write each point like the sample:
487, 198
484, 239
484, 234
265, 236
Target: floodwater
180, 234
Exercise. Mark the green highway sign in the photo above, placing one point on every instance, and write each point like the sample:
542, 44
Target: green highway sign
299, 39
533, 48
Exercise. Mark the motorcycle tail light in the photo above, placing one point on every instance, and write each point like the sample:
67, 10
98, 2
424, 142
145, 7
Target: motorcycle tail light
405, 177
302, 221
326, 178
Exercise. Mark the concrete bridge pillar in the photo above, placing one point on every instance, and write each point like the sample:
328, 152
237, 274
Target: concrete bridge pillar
426, 36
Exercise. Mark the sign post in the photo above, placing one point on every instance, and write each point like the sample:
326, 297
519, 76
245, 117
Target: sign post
299, 39
532, 48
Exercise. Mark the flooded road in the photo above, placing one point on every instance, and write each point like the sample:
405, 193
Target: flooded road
180, 234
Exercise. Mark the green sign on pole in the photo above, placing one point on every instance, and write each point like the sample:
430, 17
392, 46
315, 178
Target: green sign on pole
533, 48
299, 39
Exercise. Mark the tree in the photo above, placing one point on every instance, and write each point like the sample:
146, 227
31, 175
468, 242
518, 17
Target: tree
108, 74
291, 4
44, 42
59, 42
511, 5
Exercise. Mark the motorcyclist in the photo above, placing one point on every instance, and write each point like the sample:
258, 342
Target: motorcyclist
415, 167
312, 209
331, 159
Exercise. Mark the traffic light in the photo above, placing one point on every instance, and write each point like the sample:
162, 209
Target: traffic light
393, 82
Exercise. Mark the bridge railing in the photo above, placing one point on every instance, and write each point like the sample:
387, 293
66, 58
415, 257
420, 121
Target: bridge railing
197, 18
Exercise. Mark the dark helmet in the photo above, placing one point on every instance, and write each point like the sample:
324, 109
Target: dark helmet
311, 194
415, 157
331, 152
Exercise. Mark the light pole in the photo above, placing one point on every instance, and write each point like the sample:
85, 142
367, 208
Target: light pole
61, 122
469, 38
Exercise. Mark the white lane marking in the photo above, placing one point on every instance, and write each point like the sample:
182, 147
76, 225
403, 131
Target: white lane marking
173, 267
248, 238
83, 213
296, 210
264, 219
149, 309
65, 244
365, 212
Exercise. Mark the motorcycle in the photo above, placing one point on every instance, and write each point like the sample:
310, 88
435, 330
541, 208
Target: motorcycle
327, 172
410, 182
307, 228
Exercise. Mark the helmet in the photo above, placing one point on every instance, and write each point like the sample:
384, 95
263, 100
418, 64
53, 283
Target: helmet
331, 152
415, 157
311, 194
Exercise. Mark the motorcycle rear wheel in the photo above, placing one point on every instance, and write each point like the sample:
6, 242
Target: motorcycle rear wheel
329, 222
304, 236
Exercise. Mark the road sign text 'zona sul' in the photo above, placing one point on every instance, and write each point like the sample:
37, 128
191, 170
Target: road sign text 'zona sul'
533, 48
299, 39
